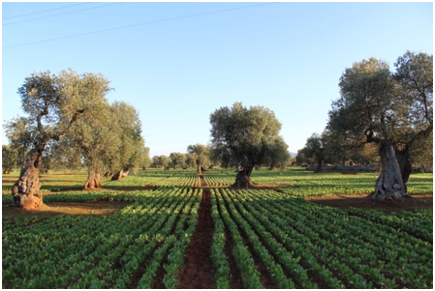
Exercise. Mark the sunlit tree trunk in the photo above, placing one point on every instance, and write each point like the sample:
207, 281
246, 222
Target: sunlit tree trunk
94, 178
26, 190
389, 184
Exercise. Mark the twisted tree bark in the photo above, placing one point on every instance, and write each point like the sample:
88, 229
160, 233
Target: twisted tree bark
389, 184
26, 190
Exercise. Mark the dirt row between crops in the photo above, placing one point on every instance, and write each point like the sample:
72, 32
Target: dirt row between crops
198, 270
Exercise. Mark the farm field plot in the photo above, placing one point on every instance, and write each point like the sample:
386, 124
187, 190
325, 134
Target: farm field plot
191, 236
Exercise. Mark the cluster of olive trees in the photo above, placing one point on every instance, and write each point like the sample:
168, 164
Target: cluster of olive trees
70, 120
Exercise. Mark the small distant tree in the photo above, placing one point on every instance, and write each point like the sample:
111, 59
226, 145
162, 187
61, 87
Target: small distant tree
276, 153
9, 159
144, 159
200, 155
178, 159
164, 161
155, 160
315, 150
190, 161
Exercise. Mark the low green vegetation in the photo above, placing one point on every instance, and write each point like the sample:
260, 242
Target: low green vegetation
142, 242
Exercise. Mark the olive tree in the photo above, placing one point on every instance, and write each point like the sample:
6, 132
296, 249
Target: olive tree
276, 153
155, 161
144, 157
389, 109
241, 136
414, 77
127, 127
93, 137
200, 156
53, 103
164, 162
178, 159
9, 159
315, 150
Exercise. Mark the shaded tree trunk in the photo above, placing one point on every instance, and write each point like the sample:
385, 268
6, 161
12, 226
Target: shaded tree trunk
319, 166
272, 166
389, 184
243, 178
404, 161
117, 176
26, 190
94, 178
121, 174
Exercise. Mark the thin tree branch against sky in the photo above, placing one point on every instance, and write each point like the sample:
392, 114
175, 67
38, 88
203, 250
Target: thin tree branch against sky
179, 62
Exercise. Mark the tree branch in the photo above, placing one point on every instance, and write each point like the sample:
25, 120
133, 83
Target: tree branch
39, 118
73, 119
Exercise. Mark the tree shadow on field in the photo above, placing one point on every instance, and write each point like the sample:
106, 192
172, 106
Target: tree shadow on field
361, 201
51, 209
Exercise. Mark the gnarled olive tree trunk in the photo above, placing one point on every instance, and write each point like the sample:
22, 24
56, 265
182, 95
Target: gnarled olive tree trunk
94, 178
389, 184
26, 190
243, 178
121, 174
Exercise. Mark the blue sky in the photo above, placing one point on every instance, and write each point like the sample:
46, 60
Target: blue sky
182, 63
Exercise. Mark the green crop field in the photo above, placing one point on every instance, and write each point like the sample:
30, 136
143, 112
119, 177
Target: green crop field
269, 236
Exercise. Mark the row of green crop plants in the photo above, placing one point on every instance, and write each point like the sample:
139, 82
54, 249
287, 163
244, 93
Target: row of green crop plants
189, 180
219, 181
103, 252
305, 245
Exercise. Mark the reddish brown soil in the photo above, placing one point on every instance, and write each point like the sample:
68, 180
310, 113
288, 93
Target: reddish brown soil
360, 201
198, 271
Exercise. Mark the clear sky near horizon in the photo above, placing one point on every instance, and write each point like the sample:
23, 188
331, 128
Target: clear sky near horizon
179, 62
